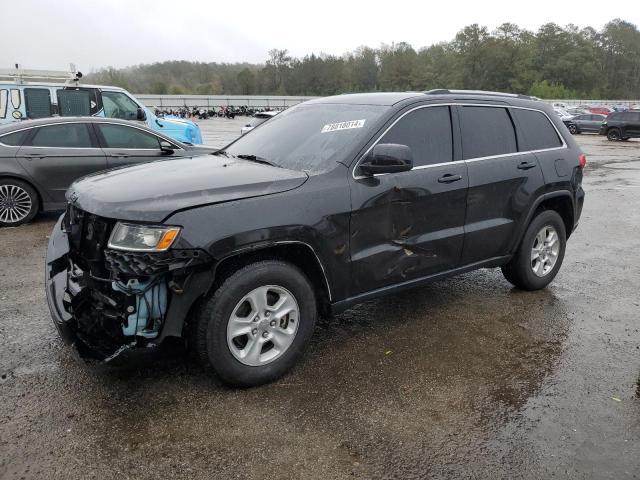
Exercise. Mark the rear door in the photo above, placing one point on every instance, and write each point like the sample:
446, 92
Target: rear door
56, 155
502, 181
593, 123
632, 124
126, 145
411, 224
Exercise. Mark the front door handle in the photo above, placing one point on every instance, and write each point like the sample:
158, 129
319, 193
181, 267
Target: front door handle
31, 156
449, 178
526, 165
119, 155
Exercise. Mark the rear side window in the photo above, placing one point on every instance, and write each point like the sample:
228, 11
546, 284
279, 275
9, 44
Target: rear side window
537, 132
65, 135
486, 131
37, 102
14, 139
427, 131
120, 136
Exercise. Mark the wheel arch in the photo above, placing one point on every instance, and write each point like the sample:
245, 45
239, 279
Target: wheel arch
560, 201
298, 253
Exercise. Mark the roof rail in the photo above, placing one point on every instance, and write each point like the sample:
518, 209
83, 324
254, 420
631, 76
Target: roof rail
20, 75
444, 91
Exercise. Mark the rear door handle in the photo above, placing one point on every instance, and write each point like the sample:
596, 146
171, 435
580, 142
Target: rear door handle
449, 178
119, 155
31, 156
526, 165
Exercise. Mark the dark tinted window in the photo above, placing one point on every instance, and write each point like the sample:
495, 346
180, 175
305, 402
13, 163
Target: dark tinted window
537, 132
73, 103
486, 131
70, 135
427, 131
14, 139
584, 117
37, 102
120, 136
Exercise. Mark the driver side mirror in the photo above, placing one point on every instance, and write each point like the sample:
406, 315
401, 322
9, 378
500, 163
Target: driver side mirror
387, 158
166, 147
142, 115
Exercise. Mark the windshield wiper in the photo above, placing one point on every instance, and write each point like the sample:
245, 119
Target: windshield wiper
221, 152
254, 158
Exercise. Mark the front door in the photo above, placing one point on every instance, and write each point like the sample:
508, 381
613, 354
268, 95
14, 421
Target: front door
411, 224
56, 155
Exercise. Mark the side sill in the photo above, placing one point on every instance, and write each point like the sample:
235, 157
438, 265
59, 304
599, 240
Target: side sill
347, 303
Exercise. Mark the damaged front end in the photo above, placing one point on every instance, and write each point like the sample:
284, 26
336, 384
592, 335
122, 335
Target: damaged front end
105, 300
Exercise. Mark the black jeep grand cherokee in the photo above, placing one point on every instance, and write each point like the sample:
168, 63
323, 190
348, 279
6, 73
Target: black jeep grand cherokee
330, 203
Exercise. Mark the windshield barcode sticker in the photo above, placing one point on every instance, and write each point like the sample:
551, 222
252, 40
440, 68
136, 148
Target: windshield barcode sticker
334, 127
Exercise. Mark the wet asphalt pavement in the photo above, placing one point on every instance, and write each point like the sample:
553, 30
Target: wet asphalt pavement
464, 378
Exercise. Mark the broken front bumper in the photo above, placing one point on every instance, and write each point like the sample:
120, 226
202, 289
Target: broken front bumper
95, 314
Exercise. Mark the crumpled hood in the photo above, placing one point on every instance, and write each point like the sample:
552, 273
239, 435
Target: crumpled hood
150, 192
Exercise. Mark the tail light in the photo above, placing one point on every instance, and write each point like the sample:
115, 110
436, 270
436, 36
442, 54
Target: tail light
582, 159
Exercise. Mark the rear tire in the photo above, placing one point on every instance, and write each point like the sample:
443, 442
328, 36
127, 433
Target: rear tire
18, 202
573, 129
613, 134
242, 332
538, 259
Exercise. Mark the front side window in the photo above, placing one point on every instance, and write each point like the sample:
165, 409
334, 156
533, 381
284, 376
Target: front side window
486, 131
310, 137
536, 131
121, 136
15, 139
67, 135
119, 105
427, 131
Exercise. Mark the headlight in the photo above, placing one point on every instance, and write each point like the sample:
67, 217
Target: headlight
142, 238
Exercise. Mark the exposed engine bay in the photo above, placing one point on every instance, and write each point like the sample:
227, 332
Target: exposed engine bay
116, 300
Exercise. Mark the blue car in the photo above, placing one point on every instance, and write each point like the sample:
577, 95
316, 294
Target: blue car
23, 99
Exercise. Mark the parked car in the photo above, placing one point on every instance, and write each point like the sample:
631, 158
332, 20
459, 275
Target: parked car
23, 99
621, 125
586, 123
258, 119
563, 114
332, 202
600, 110
39, 159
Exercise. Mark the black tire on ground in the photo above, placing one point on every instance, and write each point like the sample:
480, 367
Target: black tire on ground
613, 134
519, 270
12, 195
209, 334
573, 129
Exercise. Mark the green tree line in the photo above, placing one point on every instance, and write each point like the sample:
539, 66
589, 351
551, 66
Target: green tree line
553, 62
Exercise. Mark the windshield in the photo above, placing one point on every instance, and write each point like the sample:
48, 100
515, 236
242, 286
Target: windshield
309, 137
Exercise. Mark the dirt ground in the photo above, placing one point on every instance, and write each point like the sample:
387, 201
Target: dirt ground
464, 378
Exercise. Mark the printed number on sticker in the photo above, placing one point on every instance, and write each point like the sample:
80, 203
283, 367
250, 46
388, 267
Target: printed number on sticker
333, 127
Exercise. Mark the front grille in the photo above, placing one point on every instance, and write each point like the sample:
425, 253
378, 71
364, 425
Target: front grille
88, 236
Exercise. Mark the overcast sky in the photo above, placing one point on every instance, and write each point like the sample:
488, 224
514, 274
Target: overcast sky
98, 33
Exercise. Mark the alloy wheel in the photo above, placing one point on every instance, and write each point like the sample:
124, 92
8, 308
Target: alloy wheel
15, 203
263, 325
545, 250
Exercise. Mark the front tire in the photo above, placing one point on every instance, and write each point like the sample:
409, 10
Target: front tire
18, 202
540, 253
257, 324
614, 135
573, 129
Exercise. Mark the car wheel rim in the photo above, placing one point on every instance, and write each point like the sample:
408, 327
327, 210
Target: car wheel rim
263, 325
15, 204
545, 251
